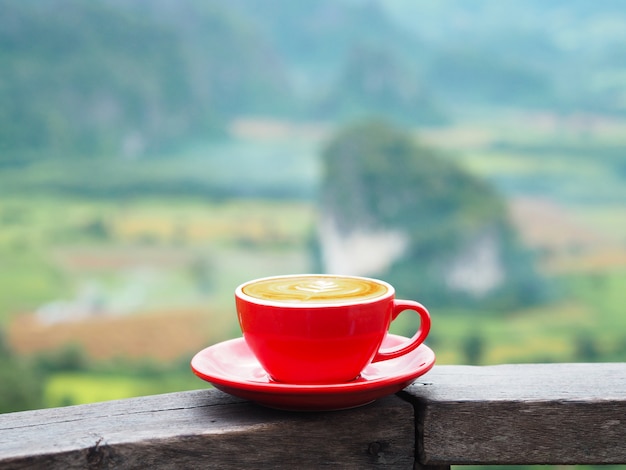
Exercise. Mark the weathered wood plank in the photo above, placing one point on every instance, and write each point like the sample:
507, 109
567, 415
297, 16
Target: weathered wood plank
510, 414
521, 414
207, 429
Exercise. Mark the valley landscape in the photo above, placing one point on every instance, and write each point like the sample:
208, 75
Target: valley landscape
146, 283
157, 182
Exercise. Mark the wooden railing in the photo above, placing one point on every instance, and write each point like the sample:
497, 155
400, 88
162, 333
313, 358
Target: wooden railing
454, 415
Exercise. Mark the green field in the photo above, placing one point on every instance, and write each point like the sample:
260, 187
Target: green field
589, 328
70, 388
168, 251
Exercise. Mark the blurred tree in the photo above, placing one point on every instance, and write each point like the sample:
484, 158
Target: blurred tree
474, 348
586, 349
20, 386
70, 357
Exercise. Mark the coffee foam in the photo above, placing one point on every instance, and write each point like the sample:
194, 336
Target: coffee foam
315, 289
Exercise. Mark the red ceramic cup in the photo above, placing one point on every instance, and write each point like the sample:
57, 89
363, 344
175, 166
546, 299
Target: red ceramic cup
321, 329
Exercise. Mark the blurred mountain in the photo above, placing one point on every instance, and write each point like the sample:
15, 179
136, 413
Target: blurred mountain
393, 208
130, 78
95, 78
560, 55
567, 55
316, 38
374, 81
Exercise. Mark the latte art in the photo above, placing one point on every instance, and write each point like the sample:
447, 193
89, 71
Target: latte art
315, 289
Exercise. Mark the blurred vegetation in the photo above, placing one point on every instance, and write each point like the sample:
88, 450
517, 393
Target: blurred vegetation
20, 386
128, 79
88, 79
166, 151
378, 177
374, 81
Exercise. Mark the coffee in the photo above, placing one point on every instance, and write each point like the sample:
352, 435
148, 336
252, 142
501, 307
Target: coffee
315, 289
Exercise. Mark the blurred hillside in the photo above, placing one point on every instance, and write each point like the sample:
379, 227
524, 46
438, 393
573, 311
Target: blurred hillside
135, 78
435, 231
562, 55
88, 79
154, 154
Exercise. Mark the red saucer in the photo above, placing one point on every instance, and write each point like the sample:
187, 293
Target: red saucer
231, 367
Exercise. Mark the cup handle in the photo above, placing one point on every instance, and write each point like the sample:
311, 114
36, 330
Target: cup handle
418, 338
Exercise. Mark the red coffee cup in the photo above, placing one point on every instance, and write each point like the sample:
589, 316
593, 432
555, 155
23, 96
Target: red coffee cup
322, 329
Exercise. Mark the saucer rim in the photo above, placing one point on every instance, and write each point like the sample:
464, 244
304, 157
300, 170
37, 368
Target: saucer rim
272, 387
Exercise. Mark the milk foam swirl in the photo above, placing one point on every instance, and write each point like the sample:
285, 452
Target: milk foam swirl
314, 289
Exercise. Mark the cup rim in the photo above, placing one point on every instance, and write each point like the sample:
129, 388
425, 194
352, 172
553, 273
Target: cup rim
239, 293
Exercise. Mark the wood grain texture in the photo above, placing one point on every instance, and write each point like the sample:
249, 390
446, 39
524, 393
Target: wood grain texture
509, 414
521, 414
207, 429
